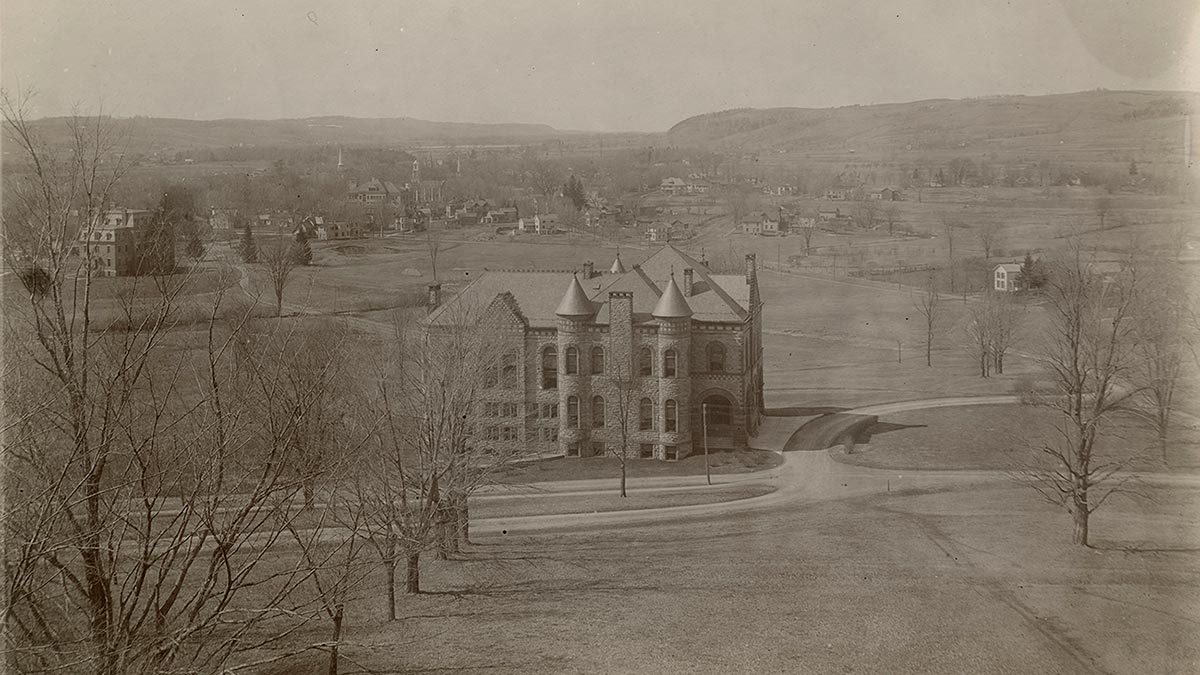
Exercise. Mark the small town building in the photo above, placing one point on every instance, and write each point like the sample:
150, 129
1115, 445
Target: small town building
1006, 277
127, 242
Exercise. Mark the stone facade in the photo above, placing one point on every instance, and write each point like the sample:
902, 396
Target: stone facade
602, 372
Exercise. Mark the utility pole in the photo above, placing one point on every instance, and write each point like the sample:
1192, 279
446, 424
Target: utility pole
704, 423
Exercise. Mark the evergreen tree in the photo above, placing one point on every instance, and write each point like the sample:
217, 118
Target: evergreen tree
1032, 274
303, 249
249, 248
574, 191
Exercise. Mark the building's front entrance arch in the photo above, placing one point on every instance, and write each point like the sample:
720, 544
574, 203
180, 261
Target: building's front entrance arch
719, 423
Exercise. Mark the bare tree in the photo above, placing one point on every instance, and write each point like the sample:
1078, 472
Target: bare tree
980, 326
278, 260
989, 239
1009, 318
868, 212
1090, 352
627, 398
1165, 325
928, 305
1104, 208
140, 503
891, 215
433, 244
949, 225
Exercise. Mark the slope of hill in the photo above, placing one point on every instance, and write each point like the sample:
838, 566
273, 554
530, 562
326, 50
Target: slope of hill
153, 133
1095, 125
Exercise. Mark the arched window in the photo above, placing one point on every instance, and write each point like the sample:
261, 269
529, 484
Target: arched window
508, 371
572, 367
549, 368
645, 362
716, 357
597, 360
669, 363
597, 411
670, 416
645, 415
572, 412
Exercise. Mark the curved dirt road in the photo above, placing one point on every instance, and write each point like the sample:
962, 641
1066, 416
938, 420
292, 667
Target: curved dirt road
804, 476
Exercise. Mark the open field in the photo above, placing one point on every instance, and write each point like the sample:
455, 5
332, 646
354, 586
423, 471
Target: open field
1000, 437
974, 578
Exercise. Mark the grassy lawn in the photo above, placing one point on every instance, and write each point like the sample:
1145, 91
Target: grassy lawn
999, 437
973, 579
579, 468
534, 505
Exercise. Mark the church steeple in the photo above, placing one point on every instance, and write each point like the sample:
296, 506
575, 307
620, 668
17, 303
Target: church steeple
340, 164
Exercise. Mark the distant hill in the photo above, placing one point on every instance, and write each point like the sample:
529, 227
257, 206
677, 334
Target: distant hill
1094, 125
156, 133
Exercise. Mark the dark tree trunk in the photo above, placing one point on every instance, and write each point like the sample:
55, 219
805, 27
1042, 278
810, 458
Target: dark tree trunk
309, 495
337, 638
1080, 511
412, 573
623, 479
464, 520
929, 349
391, 588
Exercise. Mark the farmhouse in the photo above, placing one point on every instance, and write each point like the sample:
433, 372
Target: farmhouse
667, 345
1006, 277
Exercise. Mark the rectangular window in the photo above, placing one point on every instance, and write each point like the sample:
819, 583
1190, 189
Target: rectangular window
671, 452
646, 451
508, 410
492, 433
597, 449
550, 411
572, 450
550, 434
508, 433
491, 409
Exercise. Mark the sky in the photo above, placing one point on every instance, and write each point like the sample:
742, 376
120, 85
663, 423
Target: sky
611, 65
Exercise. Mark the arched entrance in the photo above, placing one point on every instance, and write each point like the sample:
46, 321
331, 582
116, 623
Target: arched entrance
717, 423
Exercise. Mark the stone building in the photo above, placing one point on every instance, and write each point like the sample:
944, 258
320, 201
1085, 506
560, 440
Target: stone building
127, 242
664, 346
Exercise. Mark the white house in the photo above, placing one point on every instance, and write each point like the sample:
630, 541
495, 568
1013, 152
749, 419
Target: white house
538, 224
1006, 277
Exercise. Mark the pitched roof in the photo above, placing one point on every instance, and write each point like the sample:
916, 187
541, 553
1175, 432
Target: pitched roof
1008, 267
537, 294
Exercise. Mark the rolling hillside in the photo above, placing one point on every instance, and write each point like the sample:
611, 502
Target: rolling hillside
1095, 126
150, 133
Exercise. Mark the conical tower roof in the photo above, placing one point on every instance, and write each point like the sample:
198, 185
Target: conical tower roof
672, 305
617, 267
575, 303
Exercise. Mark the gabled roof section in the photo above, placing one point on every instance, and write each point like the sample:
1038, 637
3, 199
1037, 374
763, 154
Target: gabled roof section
712, 296
505, 310
575, 303
672, 305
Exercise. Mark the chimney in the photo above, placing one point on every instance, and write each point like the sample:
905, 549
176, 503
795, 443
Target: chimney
589, 269
688, 277
620, 332
435, 296
751, 269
